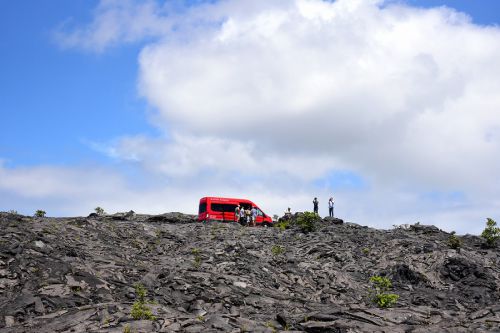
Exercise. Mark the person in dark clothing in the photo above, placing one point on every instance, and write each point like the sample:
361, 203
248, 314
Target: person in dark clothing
315, 205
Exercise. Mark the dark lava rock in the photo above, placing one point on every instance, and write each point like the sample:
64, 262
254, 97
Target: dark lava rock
82, 275
426, 229
402, 273
333, 220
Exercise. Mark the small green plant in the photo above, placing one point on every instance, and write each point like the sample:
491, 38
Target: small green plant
365, 250
141, 292
283, 225
379, 292
277, 250
140, 310
200, 318
76, 289
40, 213
306, 221
197, 257
454, 242
491, 233
99, 211
271, 326
127, 329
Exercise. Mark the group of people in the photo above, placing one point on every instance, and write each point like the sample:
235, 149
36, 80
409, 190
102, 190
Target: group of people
330, 206
245, 216
248, 215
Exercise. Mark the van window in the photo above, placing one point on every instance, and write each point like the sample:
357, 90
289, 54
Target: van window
203, 208
223, 207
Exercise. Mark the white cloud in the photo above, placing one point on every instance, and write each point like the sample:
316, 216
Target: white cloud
115, 22
350, 79
282, 93
71, 191
191, 155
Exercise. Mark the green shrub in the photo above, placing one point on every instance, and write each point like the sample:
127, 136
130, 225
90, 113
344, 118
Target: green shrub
386, 300
141, 292
197, 257
379, 292
140, 310
283, 224
454, 242
277, 250
40, 213
306, 221
99, 211
271, 326
491, 233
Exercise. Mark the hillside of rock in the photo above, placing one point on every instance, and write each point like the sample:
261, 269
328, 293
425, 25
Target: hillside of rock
88, 274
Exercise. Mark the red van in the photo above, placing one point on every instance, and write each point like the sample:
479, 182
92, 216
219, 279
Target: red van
222, 210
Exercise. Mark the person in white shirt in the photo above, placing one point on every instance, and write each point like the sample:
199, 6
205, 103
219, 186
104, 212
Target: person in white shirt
330, 207
242, 216
237, 214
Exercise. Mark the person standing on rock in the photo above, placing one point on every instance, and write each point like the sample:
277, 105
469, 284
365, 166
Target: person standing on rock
248, 215
315, 205
237, 213
242, 216
288, 214
254, 216
330, 207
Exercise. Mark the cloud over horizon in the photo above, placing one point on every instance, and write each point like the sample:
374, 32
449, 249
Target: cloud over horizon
392, 108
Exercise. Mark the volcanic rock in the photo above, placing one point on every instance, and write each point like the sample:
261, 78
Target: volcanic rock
85, 274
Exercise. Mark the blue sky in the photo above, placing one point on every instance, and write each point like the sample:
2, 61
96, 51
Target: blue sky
481, 12
132, 105
55, 99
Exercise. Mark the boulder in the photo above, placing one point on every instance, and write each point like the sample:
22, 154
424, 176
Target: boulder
333, 220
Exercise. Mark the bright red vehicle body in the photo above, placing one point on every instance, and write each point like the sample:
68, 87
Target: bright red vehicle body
222, 210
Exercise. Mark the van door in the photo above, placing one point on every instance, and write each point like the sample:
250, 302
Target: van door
260, 216
223, 211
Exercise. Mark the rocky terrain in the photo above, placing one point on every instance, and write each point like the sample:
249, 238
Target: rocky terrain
94, 274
